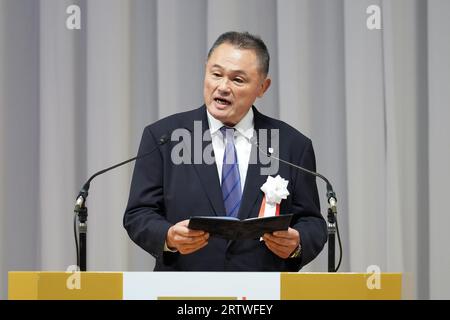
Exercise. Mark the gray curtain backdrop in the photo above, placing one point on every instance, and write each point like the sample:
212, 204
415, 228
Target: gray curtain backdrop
376, 104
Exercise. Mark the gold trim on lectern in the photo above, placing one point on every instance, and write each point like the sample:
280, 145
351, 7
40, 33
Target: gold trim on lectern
56, 286
339, 286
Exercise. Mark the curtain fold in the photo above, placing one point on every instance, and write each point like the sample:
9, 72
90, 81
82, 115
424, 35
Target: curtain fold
365, 139
108, 107
438, 149
19, 138
59, 150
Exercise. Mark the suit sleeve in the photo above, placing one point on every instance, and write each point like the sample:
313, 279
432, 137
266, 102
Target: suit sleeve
309, 220
144, 217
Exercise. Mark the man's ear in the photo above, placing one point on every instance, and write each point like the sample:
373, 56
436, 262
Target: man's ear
264, 86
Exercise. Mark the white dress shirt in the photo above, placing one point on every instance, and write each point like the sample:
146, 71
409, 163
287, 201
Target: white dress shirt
242, 136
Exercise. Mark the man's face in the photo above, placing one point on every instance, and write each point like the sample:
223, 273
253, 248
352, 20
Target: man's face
233, 81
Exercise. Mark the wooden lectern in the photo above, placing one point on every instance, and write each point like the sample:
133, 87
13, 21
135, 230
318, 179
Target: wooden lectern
205, 285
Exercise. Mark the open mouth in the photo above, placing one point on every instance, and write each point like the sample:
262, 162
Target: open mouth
222, 101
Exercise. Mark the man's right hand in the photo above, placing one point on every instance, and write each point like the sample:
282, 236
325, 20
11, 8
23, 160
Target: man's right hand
185, 240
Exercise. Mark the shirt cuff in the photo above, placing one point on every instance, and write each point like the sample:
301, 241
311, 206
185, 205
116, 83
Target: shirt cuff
167, 249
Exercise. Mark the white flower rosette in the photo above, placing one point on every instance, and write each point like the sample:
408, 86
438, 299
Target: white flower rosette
275, 190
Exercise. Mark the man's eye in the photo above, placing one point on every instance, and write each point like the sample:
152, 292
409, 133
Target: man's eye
238, 80
215, 74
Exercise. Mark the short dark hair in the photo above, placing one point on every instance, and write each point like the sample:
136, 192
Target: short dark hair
245, 40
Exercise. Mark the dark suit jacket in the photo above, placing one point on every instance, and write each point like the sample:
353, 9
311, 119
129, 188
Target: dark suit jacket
163, 194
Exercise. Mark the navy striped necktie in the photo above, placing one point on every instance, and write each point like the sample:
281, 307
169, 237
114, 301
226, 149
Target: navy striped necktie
231, 179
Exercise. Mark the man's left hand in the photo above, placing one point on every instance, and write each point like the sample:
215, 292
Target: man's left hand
282, 243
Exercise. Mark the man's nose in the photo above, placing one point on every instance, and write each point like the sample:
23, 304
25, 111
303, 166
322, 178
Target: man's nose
224, 86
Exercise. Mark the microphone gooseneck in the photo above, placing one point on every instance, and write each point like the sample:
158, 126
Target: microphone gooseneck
332, 210
84, 192
81, 209
330, 193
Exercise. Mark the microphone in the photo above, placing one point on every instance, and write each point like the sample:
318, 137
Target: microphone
84, 192
331, 195
81, 209
332, 211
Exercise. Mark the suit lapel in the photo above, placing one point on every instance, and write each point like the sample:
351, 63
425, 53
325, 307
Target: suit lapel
207, 173
252, 194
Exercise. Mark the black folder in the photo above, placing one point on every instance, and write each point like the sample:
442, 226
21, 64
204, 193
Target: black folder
234, 229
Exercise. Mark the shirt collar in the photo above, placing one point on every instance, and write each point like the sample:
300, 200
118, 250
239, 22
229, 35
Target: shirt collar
244, 127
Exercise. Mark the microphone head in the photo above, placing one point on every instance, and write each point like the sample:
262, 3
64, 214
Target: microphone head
163, 139
253, 140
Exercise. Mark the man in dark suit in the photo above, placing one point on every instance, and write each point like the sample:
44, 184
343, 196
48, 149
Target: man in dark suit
166, 192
